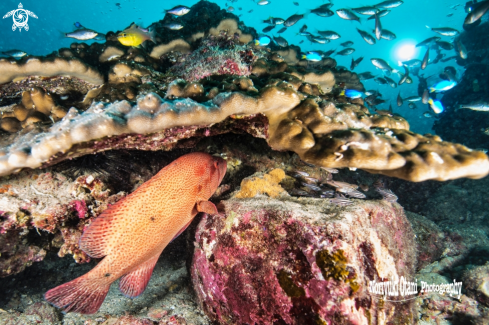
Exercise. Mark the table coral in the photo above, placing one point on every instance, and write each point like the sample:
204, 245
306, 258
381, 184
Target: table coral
302, 261
325, 134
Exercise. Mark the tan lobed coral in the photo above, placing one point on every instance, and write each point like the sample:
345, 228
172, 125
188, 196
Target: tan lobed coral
36, 106
178, 45
231, 27
11, 71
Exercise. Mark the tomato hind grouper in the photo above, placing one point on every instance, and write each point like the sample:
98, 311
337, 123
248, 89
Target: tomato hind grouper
131, 234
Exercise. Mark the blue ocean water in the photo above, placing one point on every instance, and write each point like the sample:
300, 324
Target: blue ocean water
411, 22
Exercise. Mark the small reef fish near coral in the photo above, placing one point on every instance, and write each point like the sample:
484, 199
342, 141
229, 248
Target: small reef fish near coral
245, 162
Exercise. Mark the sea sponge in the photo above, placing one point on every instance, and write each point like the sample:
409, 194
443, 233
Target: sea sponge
10, 71
269, 184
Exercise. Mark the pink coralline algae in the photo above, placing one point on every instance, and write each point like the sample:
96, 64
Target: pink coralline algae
16, 254
218, 55
42, 203
302, 262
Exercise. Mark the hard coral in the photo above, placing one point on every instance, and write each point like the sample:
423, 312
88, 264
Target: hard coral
302, 262
58, 67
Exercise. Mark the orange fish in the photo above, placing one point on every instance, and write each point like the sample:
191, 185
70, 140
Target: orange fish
131, 234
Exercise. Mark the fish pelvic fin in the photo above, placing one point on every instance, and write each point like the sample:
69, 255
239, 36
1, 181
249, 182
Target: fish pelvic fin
82, 295
134, 283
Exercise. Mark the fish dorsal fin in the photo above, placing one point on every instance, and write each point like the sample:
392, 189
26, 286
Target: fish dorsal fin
95, 237
133, 284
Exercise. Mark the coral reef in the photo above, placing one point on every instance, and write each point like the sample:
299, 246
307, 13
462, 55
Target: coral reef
268, 260
301, 261
301, 102
12, 71
49, 203
217, 55
324, 134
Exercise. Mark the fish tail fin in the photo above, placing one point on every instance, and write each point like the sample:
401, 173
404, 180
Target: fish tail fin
152, 35
342, 93
100, 37
83, 295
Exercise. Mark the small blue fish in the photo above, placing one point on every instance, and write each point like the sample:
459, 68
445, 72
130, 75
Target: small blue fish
352, 93
312, 56
263, 41
178, 10
443, 85
436, 106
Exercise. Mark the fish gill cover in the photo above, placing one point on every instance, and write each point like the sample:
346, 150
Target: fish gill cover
331, 84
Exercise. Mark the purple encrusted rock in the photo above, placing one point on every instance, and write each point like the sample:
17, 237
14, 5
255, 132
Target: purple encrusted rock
302, 262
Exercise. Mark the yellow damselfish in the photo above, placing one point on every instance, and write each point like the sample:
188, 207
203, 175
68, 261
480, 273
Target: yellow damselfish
135, 36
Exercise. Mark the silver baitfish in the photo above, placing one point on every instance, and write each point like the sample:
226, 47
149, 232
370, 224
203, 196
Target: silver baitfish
387, 195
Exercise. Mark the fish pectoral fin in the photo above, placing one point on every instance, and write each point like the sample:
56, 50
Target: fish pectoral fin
206, 206
133, 284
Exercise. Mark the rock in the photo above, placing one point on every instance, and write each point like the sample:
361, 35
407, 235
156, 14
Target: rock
430, 240
476, 281
302, 261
